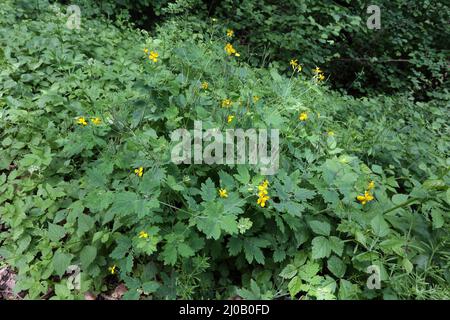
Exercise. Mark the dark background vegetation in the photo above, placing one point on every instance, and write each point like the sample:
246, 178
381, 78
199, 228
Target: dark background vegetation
408, 55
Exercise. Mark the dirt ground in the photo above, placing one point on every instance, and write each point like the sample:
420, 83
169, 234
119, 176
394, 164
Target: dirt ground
7, 283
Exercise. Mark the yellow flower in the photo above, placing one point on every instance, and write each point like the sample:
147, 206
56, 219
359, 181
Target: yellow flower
299, 68
294, 63
262, 194
320, 77
303, 116
330, 133
230, 50
146, 51
365, 198
226, 103
112, 269
143, 235
223, 193
317, 70
82, 121
371, 185
153, 56
230, 118
205, 85
230, 33
262, 201
139, 172
255, 99
96, 121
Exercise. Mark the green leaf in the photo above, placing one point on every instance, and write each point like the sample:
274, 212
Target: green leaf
185, 250
85, 223
87, 255
252, 249
122, 248
336, 266
379, 226
214, 220
61, 261
56, 232
150, 286
319, 227
243, 175
304, 194
169, 253
407, 265
337, 245
294, 286
289, 271
437, 218
399, 198
209, 191
124, 203
321, 247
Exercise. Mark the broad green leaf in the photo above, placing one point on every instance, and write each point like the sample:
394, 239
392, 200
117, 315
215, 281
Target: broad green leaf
61, 261
379, 226
56, 232
336, 266
294, 286
289, 271
87, 255
243, 175
85, 223
321, 247
320, 227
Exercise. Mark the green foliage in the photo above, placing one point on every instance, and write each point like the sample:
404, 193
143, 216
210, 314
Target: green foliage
69, 194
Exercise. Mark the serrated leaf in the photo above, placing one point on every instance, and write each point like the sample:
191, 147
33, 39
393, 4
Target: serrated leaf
150, 286
252, 249
208, 190
294, 286
214, 220
336, 266
320, 227
122, 248
185, 250
321, 247
289, 271
243, 175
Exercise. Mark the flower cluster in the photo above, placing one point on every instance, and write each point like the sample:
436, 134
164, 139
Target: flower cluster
230, 50
295, 65
226, 103
153, 55
263, 193
367, 197
143, 235
230, 33
319, 74
230, 118
205, 85
139, 171
303, 116
223, 193
95, 120
112, 269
